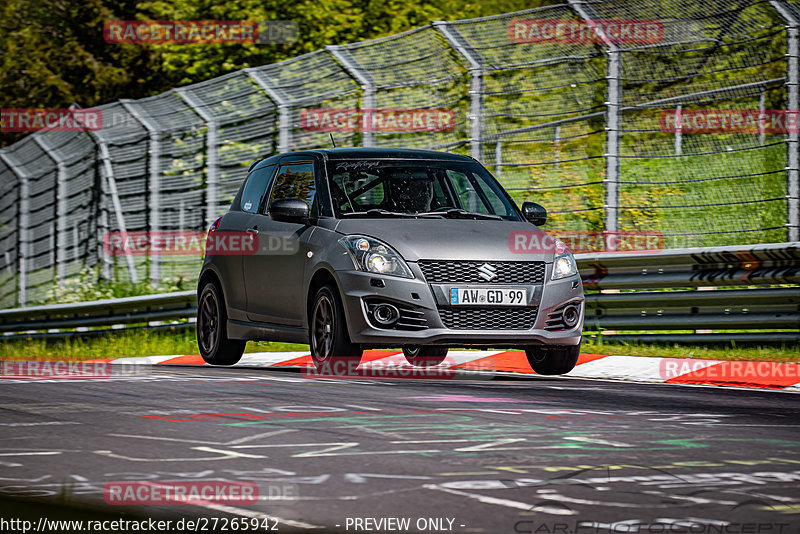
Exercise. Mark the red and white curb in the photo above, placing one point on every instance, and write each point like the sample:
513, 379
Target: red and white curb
749, 374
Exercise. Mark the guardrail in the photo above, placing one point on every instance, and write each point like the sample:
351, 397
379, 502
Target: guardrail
714, 304
615, 300
81, 316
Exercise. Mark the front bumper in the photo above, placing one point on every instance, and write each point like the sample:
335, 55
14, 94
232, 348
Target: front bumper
358, 288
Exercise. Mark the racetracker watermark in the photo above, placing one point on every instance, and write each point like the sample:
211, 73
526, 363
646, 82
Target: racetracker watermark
729, 121
140, 492
389, 120
535, 242
192, 243
52, 120
670, 368
64, 370
580, 31
146, 32
396, 368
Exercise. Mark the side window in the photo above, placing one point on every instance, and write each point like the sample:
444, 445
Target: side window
498, 207
256, 187
294, 181
470, 200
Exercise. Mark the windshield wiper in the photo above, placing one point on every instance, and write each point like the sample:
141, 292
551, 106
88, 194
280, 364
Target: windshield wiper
456, 213
376, 212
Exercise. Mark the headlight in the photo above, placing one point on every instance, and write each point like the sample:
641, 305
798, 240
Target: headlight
563, 262
374, 256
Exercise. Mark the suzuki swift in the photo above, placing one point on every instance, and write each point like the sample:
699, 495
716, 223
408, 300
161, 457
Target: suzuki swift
355, 248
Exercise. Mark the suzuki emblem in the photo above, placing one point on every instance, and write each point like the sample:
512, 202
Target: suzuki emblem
487, 272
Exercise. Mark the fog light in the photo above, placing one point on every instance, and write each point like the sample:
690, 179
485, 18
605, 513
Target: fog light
571, 316
385, 314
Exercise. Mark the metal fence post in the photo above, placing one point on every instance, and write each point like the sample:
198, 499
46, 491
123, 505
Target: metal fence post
281, 100
476, 85
101, 225
153, 182
612, 138
793, 105
613, 104
212, 154
498, 158
762, 103
23, 230
350, 65
108, 187
61, 208
557, 145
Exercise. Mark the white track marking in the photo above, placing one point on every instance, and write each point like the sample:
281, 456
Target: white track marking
364, 408
145, 360
505, 502
231, 454
110, 454
223, 443
597, 441
49, 453
360, 478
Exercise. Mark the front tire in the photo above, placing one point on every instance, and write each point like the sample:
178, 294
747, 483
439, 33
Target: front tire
331, 348
553, 360
423, 356
212, 333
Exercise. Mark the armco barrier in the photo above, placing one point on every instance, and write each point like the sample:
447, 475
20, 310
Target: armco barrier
771, 300
769, 313
108, 312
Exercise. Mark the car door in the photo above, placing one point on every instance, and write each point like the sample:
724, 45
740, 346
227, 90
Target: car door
274, 275
233, 224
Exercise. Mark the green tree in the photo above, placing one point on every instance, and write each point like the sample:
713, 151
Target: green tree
53, 54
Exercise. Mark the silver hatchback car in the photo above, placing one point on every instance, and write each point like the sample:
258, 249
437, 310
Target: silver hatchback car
354, 248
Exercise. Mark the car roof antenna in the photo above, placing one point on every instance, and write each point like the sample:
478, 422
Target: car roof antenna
332, 141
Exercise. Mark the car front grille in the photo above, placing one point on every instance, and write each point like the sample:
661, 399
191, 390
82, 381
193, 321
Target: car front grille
467, 272
489, 318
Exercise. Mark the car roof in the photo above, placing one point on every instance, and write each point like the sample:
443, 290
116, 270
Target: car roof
393, 153
369, 153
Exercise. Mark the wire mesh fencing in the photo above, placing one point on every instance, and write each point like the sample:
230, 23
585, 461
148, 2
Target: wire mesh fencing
669, 116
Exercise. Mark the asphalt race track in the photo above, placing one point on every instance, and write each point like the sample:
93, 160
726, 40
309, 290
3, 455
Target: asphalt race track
506, 455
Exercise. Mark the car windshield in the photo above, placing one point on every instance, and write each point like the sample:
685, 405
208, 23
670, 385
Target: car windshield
392, 188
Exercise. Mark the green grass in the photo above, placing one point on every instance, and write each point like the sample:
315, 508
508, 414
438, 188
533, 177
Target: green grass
144, 343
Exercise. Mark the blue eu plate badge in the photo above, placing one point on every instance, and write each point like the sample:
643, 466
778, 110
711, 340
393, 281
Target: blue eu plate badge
453, 295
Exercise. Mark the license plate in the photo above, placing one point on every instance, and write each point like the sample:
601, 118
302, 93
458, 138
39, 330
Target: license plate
488, 297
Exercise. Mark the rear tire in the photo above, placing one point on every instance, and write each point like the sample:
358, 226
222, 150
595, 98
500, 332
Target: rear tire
212, 329
552, 360
423, 356
331, 348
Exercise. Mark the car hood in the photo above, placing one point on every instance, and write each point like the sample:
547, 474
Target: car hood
455, 239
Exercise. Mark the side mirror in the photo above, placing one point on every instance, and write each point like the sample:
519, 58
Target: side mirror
534, 213
291, 210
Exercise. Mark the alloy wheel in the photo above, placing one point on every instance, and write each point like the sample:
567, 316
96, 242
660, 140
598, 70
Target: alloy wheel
323, 330
209, 322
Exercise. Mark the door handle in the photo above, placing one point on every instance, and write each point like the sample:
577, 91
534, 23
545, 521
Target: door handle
252, 230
